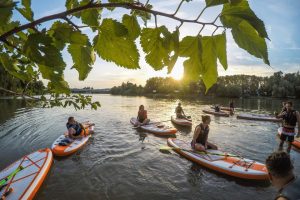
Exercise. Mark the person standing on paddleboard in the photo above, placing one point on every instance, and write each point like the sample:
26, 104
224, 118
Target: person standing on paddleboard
231, 106
280, 170
199, 142
290, 118
142, 117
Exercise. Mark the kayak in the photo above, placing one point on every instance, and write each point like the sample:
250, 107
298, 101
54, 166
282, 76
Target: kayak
222, 108
296, 142
219, 161
220, 113
156, 128
182, 122
61, 147
25, 176
258, 117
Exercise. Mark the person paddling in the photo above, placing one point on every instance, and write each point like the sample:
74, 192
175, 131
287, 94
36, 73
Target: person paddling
142, 117
75, 128
180, 113
282, 177
290, 118
200, 138
231, 106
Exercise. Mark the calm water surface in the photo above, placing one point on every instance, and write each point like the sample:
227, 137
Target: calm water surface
122, 163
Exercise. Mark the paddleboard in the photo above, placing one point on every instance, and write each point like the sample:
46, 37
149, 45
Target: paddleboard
156, 128
222, 108
182, 122
223, 114
28, 174
73, 146
232, 166
258, 117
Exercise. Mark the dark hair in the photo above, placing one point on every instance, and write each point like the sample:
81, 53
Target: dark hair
289, 102
141, 107
70, 118
279, 164
205, 118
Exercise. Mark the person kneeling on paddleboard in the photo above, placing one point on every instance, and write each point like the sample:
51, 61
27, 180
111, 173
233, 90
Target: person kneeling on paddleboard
199, 142
75, 128
290, 118
280, 169
217, 108
142, 117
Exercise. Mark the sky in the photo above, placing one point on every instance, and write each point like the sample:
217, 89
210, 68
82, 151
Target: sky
281, 18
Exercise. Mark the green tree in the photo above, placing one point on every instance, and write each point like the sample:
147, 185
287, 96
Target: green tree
28, 51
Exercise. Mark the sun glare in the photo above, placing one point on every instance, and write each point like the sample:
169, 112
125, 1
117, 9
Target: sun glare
177, 72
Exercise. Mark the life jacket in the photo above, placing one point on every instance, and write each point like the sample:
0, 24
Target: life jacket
142, 115
76, 127
203, 136
291, 190
290, 118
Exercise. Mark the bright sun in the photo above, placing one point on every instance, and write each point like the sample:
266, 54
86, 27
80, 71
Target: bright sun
177, 72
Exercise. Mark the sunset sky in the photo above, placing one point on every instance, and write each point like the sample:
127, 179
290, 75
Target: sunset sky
281, 18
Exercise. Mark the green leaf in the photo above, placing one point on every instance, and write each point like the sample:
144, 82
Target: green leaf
6, 11
154, 45
175, 49
145, 16
209, 60
114, 44
40, 50
70, 4
90, 17
220, 43
232, 15
64, 33
210, 3
26, 10
10, 65
132, 25
59, 86
247, 38
191, 47
83, 58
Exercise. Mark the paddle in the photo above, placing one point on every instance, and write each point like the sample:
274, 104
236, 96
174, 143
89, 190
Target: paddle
3, 182
10, 190
167, 148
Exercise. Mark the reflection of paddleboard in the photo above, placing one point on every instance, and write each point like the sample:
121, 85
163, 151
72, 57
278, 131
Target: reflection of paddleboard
258, 117
71, 147
233, 166
156, 128
220, 113
28, 174
182, 122
296, 142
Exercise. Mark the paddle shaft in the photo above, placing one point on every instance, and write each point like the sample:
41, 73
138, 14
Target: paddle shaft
4, 180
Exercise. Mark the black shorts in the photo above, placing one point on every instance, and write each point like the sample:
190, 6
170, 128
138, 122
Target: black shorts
289, 138
141, 120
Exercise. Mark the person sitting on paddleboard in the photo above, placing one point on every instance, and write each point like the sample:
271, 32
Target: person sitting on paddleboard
280, 169
179, 112
75, 128
142, 117
199, 142
290, 118
231, 106
217, 108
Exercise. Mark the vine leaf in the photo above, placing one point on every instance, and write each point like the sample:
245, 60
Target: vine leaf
83, 58
90, 17
6, 11
209, 59
220, 44
232, 15
132, 25
26, 10
175, 49
70, 4
191, 47
154, 42
247, 38
210, 3
114, 44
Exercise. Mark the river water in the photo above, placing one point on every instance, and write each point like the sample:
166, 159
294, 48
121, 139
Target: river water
123, 163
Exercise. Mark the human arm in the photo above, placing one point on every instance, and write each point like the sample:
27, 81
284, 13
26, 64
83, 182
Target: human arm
298, 120
196, 133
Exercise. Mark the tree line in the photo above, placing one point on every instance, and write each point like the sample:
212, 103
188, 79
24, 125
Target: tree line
278, 85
